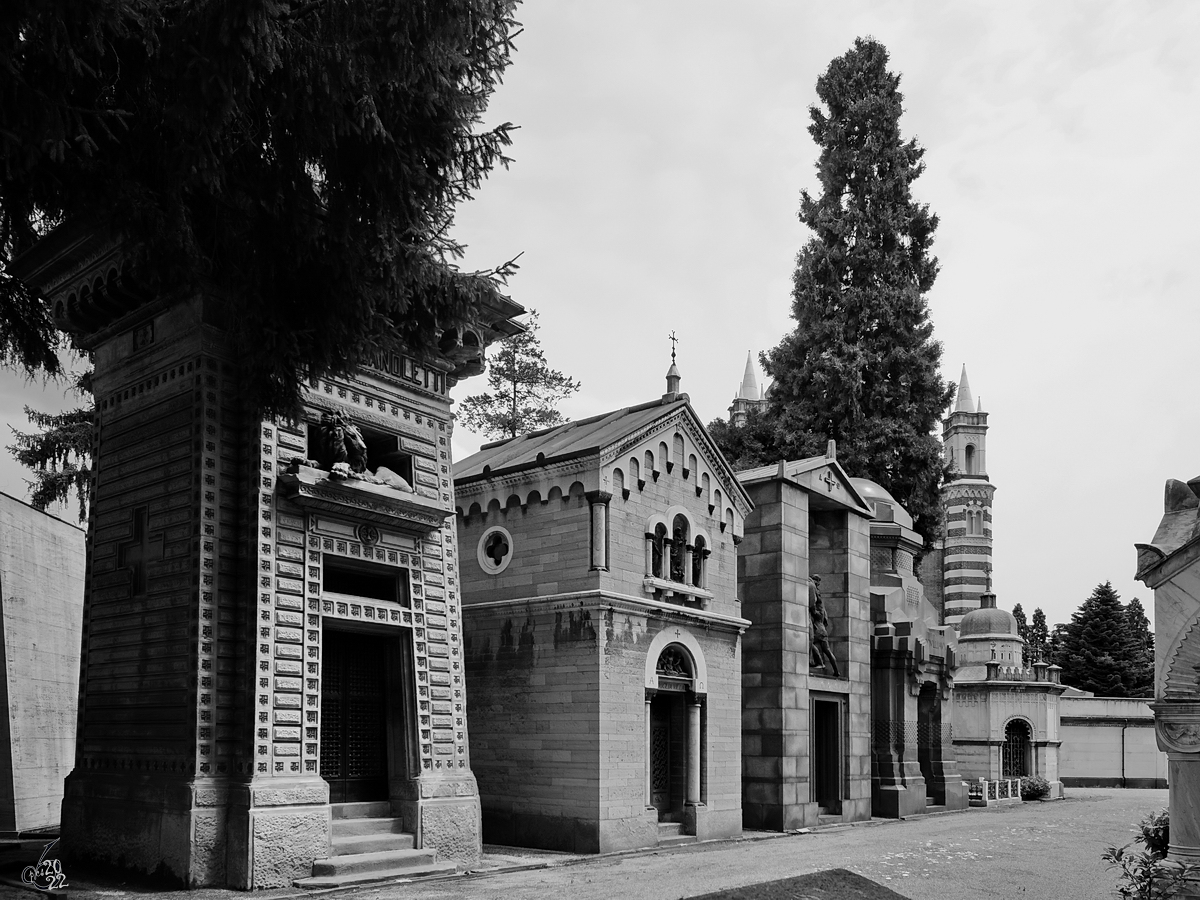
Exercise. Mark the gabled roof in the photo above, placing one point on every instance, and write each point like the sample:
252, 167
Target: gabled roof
805, 473
586, 437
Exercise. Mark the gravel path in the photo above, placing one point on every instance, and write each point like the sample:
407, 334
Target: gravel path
1041, 851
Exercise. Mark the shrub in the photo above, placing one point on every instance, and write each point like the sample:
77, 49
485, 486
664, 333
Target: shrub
1034, 787
1149, 875
1156, 832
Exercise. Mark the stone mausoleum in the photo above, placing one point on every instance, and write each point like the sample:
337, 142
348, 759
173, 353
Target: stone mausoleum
603, 630
806, 726
272, 674
913, 766
1006, 716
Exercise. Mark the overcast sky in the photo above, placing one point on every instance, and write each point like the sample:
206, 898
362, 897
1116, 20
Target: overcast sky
655, 185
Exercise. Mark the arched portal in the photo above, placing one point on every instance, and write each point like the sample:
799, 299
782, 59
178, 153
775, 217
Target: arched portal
674, 735
1015, 751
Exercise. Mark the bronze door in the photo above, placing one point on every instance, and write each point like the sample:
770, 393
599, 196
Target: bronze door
660, 756
354, 717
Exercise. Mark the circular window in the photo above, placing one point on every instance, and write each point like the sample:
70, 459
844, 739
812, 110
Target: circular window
495, 550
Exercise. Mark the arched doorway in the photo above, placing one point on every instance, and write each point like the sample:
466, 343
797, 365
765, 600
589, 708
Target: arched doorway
1015, 751
674, 735
929, 741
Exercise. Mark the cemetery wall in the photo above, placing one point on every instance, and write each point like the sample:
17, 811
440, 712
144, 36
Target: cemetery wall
41, 615
1109, 742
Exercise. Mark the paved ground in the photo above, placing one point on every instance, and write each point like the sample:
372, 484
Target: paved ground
1032, 851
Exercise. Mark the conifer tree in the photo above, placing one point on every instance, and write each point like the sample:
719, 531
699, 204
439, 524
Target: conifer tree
1023, 630
1095, 647
298, 161
525, 391
1039, 636
1141, 649
862, 366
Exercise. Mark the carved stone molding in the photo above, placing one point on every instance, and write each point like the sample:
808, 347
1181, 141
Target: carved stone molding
1177, 726
313, 489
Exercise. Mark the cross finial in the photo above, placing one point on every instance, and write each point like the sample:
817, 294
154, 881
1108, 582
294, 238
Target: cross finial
674, 340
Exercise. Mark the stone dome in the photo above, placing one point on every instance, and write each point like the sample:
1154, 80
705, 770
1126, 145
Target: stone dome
987, 621
886, 507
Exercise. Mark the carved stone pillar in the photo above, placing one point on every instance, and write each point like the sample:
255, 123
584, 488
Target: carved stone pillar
688, 550
693, 749
649, 554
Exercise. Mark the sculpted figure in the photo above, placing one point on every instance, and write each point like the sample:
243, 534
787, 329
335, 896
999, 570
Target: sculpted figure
819, 649
342, 443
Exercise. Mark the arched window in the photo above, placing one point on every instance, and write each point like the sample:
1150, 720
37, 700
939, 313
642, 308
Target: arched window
648, 468
705, 486
635, 472
618, 483
970, 459
1014, 752
680, 537
658, 543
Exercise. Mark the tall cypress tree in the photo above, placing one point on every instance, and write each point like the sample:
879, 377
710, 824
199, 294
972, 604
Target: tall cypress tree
1023, 630
1039, 635
862, 366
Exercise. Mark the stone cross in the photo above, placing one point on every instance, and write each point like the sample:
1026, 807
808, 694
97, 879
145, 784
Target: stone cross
133, 555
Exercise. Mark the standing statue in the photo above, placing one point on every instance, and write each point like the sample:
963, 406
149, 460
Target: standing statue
819, 649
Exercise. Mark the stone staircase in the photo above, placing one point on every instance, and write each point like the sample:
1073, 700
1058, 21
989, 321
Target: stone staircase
368, 845
671, 833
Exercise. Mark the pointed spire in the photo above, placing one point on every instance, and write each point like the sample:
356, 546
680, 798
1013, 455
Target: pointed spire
979, 405
749, 389
964, 403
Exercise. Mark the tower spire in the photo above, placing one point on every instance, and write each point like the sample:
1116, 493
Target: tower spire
748, 390
964, 403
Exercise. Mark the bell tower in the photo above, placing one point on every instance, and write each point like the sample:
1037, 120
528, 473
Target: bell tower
967, 501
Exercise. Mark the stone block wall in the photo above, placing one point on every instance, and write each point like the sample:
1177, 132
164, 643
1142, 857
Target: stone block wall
534, 671
41, 614
551, 546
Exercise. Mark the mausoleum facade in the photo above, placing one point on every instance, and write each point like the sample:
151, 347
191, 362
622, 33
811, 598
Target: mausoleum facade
271, 638
603, 630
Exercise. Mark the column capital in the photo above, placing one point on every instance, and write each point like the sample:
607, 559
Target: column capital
598, 496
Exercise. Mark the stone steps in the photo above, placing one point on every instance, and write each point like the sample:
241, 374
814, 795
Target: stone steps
369, 844
671, 833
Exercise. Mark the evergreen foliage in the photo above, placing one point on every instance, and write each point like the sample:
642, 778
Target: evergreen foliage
1100, 652
59, 453
1039, 636
299, 160
862, 366
524, 391
1142, 649
747, 446
1023, 630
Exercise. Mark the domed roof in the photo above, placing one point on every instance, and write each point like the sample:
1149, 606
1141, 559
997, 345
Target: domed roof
987, 621
884, 502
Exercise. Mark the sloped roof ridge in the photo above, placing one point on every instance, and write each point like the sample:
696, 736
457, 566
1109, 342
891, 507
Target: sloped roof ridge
576, 423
